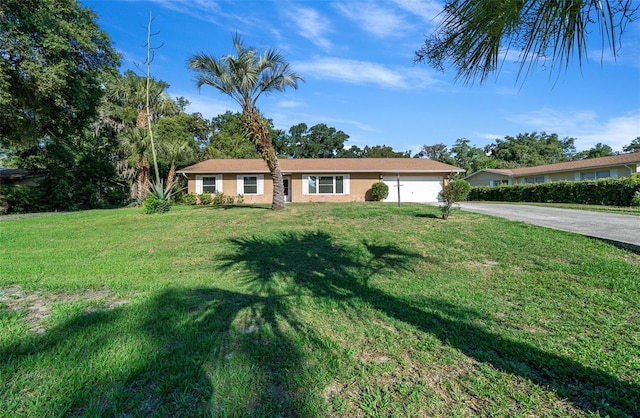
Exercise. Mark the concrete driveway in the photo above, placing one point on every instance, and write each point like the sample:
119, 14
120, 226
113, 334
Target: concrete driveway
621, 230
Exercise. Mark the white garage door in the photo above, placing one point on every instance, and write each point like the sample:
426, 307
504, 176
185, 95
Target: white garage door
414, 189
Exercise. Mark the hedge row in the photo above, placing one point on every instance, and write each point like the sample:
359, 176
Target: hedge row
612, 192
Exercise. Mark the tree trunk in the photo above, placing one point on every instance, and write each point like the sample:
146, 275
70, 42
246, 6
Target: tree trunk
143, 180
255, 127
142, 121
172, 175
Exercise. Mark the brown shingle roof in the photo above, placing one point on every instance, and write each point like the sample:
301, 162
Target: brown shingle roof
324, 165
632, 158
13, 173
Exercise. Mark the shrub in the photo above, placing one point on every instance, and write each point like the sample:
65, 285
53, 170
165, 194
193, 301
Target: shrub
154, 205
205, 199
455, 191
636, 199
22, 199
614, 192
190, 199
159, 199
379, 191
219, 199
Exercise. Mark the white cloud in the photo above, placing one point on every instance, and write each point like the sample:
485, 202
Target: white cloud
426, 10
290, 104
206, 105
365, 72
586, 126
488, 135
356, 124
311, 25
381, 22
206, 10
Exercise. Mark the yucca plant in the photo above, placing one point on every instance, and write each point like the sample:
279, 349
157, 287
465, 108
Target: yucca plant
159, 197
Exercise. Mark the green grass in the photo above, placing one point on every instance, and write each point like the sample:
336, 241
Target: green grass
319, 310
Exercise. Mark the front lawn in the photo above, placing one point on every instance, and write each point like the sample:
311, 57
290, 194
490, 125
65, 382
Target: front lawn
320, 310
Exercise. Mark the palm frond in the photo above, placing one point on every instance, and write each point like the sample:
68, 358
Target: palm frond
246, 75
474, 36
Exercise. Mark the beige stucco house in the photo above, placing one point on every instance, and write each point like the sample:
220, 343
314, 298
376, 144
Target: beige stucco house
615, 166
322, 179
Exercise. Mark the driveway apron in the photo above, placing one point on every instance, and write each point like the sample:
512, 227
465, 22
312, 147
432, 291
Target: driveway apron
620, 230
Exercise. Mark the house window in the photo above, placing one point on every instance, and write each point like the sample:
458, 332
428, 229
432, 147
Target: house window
539, 179
595, 175
209, 184
499, 182
251, 184
326, 184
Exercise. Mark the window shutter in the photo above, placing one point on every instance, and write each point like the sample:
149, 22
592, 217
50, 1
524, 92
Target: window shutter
260, 181
219, 183
305, 185
240, 184
346, 189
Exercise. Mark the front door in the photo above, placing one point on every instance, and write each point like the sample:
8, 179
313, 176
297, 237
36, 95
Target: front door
287, 188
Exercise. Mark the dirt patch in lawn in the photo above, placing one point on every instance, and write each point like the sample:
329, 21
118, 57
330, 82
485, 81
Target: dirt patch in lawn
38, 305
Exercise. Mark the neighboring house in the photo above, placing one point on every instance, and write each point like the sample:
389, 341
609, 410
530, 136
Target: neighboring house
614, 166
322, 179
17, 176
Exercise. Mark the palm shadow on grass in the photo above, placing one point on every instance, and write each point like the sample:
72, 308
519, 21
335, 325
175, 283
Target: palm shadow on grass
191, 357
209, 351
318, 265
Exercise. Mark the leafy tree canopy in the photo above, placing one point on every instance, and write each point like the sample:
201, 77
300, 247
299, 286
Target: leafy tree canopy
474, 35
352, 152
633, 146
229, 140
598, 150
383, 151
319, 141
470, 157
53, 58
436, 152
530, 149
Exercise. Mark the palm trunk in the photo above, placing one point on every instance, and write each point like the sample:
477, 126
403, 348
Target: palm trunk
143, 179
141, 121
172, 175
256, 129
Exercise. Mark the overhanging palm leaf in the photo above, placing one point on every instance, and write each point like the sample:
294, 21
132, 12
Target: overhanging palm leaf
474, 35
244, 77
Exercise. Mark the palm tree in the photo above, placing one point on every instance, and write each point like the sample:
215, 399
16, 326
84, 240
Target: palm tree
135, 143
130, 91
127, 96
245, 77
176, 149
474, 35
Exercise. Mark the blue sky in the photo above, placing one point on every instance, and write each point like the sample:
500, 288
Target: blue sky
357, 62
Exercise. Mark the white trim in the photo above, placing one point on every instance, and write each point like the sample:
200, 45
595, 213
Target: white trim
199, 182
346, 184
